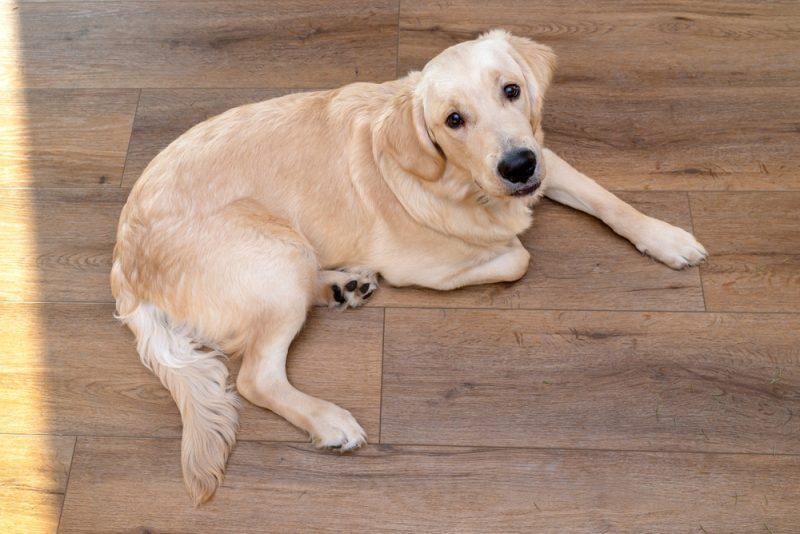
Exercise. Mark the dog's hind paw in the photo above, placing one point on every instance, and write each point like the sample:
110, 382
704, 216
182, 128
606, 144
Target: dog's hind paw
345, 288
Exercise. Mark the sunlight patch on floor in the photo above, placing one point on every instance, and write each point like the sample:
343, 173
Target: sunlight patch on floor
33, 473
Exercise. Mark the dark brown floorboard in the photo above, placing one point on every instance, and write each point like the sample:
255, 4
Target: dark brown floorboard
64, 137
235, 43
599, 380
293, 488
754, 239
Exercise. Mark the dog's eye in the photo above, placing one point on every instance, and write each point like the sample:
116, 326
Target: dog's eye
511, 91
454, 120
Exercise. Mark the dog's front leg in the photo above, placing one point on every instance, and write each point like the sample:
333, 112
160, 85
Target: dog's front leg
505, 265
664, 242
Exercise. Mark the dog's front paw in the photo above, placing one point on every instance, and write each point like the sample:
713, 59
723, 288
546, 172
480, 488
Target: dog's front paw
338, 430
669, 244
346, 288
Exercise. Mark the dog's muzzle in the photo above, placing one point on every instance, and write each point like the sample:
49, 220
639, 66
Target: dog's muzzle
519, 170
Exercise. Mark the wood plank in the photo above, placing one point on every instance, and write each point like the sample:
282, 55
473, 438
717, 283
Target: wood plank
73, 369
33, 479
60, 244
652, 140
57, 137
678, 139
657, 140
164, 114
646, 381
579, 263
624, 45
236, 43
56, 244
754, 240
289, 488
661, 139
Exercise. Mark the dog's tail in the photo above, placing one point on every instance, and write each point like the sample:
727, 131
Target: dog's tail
198, 381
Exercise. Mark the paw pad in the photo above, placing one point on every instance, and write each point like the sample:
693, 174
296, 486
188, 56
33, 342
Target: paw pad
348, 289
337, 294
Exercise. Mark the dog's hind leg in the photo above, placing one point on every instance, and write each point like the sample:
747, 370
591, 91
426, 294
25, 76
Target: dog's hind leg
240, 281
290, 282
262, 380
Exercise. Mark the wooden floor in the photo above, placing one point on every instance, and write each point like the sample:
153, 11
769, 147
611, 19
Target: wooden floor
601, 393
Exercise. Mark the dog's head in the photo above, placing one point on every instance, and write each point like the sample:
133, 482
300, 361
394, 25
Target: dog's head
475, 110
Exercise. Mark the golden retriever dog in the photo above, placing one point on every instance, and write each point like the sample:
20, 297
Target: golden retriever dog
247, 220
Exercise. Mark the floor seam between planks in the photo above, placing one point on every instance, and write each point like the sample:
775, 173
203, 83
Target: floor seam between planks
383, 359
700, 270
66, 486
130, 138
397, 45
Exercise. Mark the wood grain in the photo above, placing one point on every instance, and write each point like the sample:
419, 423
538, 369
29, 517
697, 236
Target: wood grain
73, 369
56, 244
164, 114
289, 488
33, 479
61, 137
678, 139
754, 239
647, 381
579, 263
235, 43
622, 44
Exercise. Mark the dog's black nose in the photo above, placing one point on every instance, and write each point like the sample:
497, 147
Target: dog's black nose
517, 166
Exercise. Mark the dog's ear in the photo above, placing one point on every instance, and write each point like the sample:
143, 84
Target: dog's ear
538, 65
401, 136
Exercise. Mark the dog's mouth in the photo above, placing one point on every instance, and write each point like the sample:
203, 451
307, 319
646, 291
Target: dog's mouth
526, 189
522, 190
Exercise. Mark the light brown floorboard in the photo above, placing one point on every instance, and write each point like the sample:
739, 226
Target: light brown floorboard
579, 263
648, 381
624, 44
754, 240
56, 244
73, 369
292, 488
164, 114
33, 478
56, 137
233, 43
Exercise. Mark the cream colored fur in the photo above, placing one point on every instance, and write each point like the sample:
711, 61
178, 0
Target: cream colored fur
251, 217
